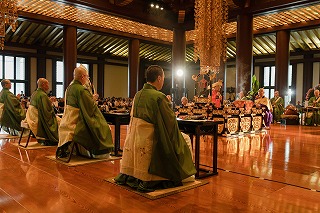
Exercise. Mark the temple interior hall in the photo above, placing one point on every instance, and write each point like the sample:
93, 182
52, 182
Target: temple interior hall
267, 44
276, 171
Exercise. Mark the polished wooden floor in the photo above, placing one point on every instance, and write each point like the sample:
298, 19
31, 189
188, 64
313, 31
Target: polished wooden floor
275, 171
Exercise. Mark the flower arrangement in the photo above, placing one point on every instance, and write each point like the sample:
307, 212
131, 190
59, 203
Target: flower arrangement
310, 92
254, 88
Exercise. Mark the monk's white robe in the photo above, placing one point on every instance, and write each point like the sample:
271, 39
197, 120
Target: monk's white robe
137, 151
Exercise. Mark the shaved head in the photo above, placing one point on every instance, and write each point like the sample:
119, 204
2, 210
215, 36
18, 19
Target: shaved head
43, 84
5, 82
79, 71
42, 81
261, 92
184, 100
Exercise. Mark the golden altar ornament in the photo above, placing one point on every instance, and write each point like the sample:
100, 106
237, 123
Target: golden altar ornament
9, 16
210, 34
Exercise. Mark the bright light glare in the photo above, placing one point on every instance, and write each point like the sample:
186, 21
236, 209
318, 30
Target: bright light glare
180, 72
152, 5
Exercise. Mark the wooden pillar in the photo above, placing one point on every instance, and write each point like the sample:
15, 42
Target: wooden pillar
178, 62
282, 62
69, 53
244, 57
41, 64
91, 72
307, 73
100, 72
142, 75
133, 63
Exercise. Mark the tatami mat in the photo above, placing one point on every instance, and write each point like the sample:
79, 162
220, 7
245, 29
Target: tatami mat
78, 160
8, 136
31, 145
163, 192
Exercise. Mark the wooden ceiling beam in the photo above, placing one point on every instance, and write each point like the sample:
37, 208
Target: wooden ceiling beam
96, 44
85, 39
58, 43
317, 34
123, 45
257, 45
51, 34
42, 35
27, 33
263, 7
87, 27
115, 44
156, 52
100, 48
56, 38
232, 47
36, 32
255, 51
302, 25
165, 54
268, 44
312, 37
261, 47
15, 36
296, 39
229, 54
146, 48
124, 52
136, 11
81, 36
90, 43
162, 55
304, 39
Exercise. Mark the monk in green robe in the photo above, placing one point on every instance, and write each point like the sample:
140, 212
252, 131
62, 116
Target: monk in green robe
278, 106
155, 153
41, 117
11, 111
313, 114
82, 122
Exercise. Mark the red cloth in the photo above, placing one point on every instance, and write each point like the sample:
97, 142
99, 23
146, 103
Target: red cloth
202, 83
216, 98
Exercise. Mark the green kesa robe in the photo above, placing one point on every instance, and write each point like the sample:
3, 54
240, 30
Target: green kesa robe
83, 123
313, 117
12, 113
41, 117
153, 120
278, 107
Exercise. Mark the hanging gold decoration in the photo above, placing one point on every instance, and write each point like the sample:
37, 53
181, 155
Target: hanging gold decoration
8, 16
210, 34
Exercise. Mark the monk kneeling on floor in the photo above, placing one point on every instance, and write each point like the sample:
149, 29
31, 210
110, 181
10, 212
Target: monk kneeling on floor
156, 154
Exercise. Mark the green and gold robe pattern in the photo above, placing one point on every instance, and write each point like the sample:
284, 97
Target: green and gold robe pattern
313, 116
12, 111
278, 108
41, 118
83, 123
155, 151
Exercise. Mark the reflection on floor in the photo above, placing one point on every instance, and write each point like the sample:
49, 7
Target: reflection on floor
276, 171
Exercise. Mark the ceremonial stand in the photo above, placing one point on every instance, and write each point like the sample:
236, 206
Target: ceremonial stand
117, 119
198, 128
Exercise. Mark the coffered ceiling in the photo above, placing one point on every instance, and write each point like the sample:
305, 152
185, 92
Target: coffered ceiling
40, 26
